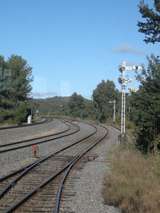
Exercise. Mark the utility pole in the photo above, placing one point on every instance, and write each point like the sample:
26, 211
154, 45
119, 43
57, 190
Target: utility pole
114, 110
124, 81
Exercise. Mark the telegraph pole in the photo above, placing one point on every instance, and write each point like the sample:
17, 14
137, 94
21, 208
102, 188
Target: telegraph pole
114, 110
124, 81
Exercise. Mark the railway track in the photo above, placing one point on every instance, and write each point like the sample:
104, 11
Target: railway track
44, 120
71, 129
19, 191
32, 165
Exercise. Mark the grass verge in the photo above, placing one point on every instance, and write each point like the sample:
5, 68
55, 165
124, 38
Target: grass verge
133, 184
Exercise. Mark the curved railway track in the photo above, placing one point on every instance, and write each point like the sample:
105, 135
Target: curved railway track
70, 167
45, 120
20, 189
71, 129
36, 138
37, 163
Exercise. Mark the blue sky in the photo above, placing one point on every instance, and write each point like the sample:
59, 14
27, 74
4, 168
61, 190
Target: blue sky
72, 44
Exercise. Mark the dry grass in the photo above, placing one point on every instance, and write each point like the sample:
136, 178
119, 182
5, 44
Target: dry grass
134, 181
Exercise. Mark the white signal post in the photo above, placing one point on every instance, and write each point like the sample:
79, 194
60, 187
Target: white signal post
124, 81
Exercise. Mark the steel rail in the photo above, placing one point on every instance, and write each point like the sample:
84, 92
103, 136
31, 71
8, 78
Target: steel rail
45, 120
45, 182
27, 166
68, 170
37, 138
33, 165
65, 169
40, 142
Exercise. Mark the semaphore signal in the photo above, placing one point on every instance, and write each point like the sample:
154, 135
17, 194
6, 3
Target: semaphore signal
124, 81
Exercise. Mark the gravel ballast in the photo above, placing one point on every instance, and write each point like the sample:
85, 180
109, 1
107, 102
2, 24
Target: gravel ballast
89, 178
15, 159
23, 133
11, 161
89, 182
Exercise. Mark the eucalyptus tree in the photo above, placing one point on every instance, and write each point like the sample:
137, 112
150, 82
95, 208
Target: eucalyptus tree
151, 24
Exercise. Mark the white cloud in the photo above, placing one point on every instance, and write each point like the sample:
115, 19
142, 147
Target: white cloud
128, 49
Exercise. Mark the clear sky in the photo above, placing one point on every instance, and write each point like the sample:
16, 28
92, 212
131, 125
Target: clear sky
72, 44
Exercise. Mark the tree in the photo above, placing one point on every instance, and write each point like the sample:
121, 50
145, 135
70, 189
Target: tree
76, 105
151, 26
146, 105
16, 76
105, 92
89, 110
20, 77
4, 75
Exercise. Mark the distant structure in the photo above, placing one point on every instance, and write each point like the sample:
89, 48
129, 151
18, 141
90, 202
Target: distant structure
29, 119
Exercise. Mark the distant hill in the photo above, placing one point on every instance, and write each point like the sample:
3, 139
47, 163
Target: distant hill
56, 105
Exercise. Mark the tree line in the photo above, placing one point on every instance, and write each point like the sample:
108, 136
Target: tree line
99, 108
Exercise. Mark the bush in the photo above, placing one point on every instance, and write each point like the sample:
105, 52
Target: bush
134, 181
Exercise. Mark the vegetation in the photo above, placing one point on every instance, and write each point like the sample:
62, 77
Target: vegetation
76, 105
15, 78
80, 107
145, 106
134, 181
102, 95
151, 26
145, 103
73, 106
52, 106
